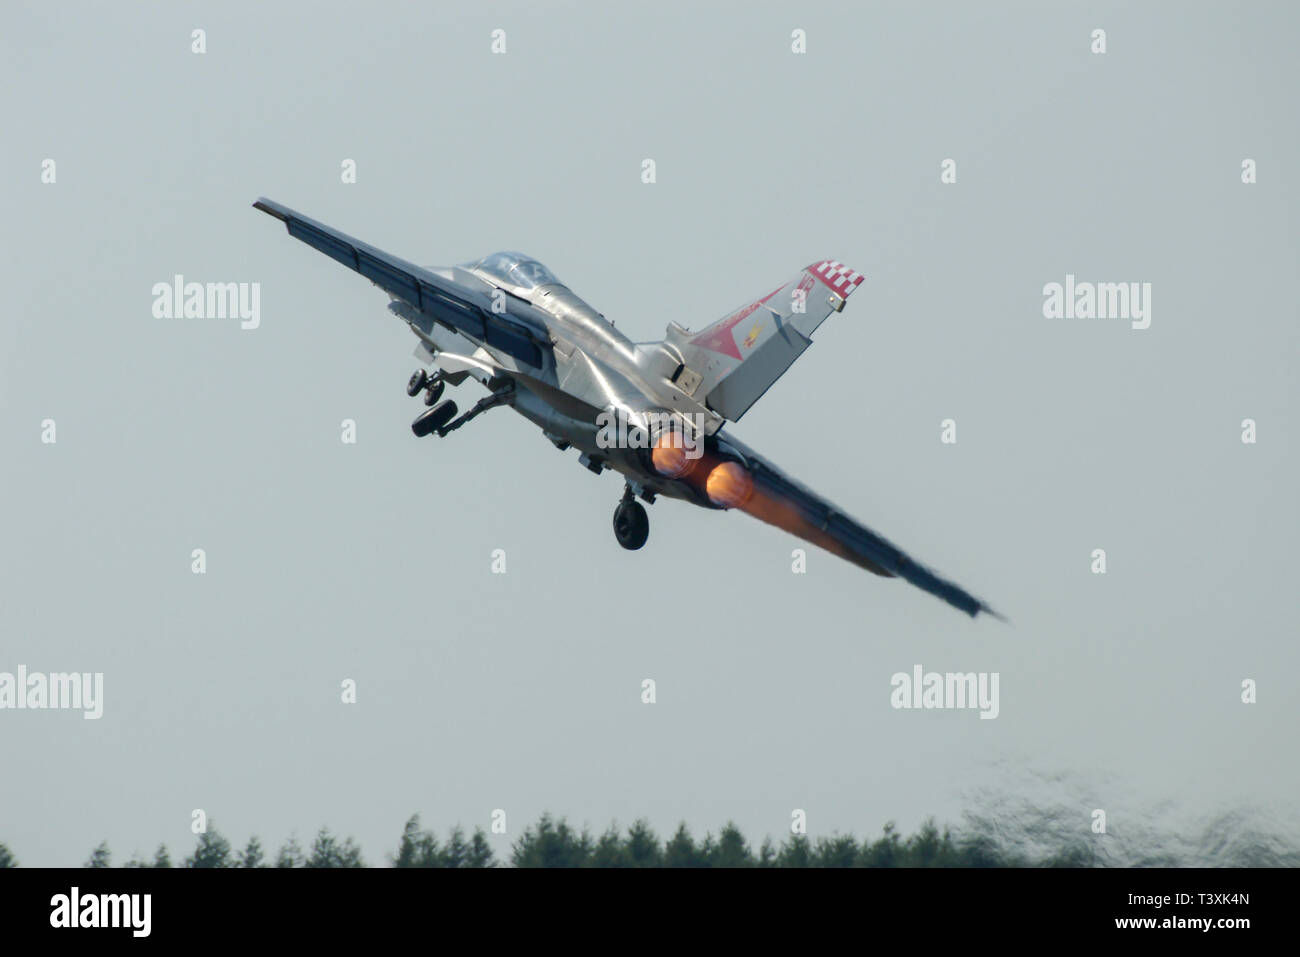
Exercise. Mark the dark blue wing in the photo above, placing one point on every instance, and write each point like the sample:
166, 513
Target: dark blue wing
462, 309
805, 513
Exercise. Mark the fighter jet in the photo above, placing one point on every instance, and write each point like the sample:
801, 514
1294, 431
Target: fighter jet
652, 411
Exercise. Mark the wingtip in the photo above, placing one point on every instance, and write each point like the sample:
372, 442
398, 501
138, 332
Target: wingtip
268, 207
993, 614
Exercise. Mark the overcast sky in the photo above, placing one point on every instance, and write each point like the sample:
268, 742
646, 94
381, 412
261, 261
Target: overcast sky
372, 561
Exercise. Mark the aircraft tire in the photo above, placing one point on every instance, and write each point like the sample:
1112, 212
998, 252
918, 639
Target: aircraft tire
431, 421
631, 525
419, 379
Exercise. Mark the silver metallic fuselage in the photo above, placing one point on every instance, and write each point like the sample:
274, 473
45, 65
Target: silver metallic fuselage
595, 369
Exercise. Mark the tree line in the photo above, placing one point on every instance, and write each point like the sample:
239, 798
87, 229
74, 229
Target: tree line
553, 842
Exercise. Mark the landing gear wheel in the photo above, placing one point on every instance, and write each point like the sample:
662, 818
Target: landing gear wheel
419, 379
431, 421
434, 391
631, 525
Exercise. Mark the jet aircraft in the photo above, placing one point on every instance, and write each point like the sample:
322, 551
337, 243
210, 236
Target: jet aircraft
652, 411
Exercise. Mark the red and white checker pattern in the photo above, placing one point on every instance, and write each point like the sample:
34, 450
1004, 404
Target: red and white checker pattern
839, 277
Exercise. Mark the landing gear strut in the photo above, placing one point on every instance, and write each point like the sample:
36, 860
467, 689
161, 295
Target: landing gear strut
631, 524
442, 419
504, 396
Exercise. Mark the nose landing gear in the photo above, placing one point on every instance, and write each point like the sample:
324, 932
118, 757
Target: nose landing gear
419, 379
431, 385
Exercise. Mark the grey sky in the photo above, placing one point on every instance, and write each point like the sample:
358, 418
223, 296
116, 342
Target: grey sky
522, 692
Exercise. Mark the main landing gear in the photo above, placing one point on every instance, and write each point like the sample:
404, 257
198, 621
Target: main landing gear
435, 420
432, 386
631, 524
441, 419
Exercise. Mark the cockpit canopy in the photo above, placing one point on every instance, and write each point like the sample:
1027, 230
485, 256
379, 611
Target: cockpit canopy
515, 269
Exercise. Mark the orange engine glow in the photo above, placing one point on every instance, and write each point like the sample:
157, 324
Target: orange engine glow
669, 455
729, 485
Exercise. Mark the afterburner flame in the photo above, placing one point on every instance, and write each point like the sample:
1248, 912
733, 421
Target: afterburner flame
729, 485
669, 455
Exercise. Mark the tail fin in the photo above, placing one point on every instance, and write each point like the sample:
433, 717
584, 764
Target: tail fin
730, 364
